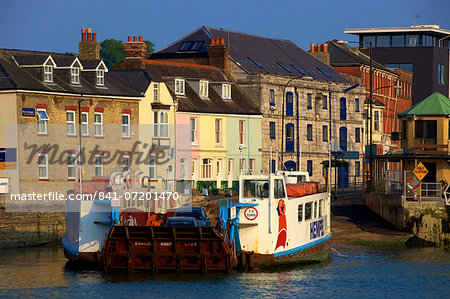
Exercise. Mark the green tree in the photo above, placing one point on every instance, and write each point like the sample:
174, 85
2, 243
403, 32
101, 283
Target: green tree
111, 51
150, 46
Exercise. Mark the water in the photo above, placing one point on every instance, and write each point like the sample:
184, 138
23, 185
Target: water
351, 272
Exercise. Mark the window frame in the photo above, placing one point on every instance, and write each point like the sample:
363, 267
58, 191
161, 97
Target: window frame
242, 132
180, 85
127, 126
155, 92
272, 97
203, 87
357, 105
193, 129
309, 132
226, 91
126, 158
357, 135
72, 122
48, 73
441, 73
325, 133
309, 101
99, 166
272, 130
70, 166
75, 75
85, 124
324, 102
98, 124
218, 131
309, 167
42, 121
100, 77
152, 166
45, 166
207, 168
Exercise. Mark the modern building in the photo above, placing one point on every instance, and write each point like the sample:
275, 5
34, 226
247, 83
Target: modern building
420, 49
290, 87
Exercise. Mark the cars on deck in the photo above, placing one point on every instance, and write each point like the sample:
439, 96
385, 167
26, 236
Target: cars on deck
198, 213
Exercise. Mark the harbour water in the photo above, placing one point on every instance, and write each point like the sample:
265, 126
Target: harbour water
351, 272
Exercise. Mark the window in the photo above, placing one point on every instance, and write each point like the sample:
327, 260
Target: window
152, 167
230, 168
357, 168
440, 73
160, 124
273, 166
43, 166
272, 98
100, 77
320, 212
155, 92
289, 104
324, 133
203, 89
398, 41
85, 123
125, 125
308, 210
48, 73
278, 191
255, 62
290, 138
98, 165
183, 173
71, 160
242, 130
179, 86
251, 166
193, 130
309, 132
300, 213
356, 105
368, 41
343, 138
272, 130
412, 40
218, 131
383, 41
226, 91
376, 118
98, 124
309, 100
314, 207
125, 163
325, 102
242, 165
309, 167
206, 168
70, 119
75, 75
219, 169
357, 135
343, 109
42, 121
409, 67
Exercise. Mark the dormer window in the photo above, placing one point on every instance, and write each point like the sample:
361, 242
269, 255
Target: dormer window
48, 73
75, 75
226, 91
179, 86
100, 77
203, 89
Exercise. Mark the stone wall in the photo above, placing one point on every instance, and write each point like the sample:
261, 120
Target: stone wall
387, 206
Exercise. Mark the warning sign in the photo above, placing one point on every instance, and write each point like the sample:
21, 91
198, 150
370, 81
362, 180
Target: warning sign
420, 171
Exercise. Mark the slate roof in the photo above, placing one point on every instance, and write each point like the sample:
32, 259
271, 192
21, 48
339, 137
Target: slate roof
343, 55
191, 101
435, 104
256, 54
138, 80
13, 76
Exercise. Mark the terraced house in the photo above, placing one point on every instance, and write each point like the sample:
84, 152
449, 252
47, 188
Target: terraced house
51, 103
291, 89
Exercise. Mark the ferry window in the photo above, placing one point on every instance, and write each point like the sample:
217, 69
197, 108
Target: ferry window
256, 188
314, 207
279, 189
398, 41
308, 206
383, 41
412, 40
300, 213
320, 207
368, 41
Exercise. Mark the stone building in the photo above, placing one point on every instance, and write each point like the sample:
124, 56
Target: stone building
52, 103
291, 89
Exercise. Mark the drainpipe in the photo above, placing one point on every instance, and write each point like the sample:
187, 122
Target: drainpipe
298, 132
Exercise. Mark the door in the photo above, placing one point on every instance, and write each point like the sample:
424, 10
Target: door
343, 177
230, 172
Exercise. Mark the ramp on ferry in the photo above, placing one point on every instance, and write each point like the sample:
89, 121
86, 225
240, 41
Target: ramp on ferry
156, 248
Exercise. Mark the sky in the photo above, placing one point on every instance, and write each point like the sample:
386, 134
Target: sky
55, 25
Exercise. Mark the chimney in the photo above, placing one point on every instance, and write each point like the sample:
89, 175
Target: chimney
218, 54
88, 48
320, 51
134, 48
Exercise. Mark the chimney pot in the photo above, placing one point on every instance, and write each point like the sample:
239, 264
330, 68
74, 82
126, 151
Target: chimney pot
83, 34
135, 38
325, 47
319, 47
141, 39
222, 41
213, 41
94, 37
129, 39
89, 33
312, 48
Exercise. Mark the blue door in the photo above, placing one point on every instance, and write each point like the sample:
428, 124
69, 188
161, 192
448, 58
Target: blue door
290, 165
289, 138
289, 104
343, 177
343, 138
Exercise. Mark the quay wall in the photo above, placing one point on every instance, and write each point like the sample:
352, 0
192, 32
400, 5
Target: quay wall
387, 206
29, 229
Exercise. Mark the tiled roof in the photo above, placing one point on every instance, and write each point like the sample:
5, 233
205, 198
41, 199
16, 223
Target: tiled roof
435, 104
256, 54
191, 101
13, 77
138, 80
344, 55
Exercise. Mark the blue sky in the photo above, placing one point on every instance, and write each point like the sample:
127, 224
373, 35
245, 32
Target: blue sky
51, 25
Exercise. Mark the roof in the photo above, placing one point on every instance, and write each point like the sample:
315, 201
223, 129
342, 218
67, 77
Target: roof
344, 55
255, 54
415, 28
376, 102
435, 104
191, 101
14, 76
138, 80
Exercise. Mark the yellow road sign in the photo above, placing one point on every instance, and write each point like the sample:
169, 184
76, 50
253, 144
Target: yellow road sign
420, 171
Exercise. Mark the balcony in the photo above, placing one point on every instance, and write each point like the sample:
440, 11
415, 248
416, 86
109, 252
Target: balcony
431, 149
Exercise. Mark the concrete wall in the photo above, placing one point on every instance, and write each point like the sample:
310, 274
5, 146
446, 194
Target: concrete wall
387, 206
